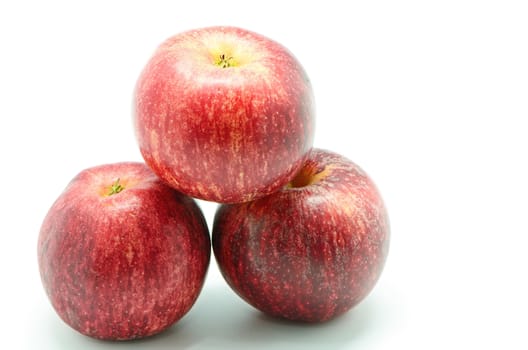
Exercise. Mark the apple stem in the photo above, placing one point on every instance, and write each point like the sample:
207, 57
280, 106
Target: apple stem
224, 62
116, 188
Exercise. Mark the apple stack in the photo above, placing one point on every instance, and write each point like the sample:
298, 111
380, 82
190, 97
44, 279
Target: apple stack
225, 115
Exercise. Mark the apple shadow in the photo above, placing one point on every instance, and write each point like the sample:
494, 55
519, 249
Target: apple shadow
64, 337
220, 319
284, 334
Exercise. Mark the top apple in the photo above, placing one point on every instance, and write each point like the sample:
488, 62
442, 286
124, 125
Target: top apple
224, 114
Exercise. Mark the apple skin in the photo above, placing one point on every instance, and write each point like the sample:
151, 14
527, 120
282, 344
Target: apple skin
126, 265
310, 251
218, 133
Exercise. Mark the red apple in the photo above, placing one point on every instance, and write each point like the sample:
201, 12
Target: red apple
121, 254
224, 114
310, 251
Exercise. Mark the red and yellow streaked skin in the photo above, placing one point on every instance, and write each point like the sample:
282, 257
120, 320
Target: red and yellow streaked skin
224, 114
312, 250
123, 265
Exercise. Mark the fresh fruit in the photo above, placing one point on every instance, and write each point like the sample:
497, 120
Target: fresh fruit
121, 254
310, 251
224, 114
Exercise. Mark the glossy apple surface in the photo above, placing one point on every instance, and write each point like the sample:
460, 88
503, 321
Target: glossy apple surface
121, 254
310, 251
224, 114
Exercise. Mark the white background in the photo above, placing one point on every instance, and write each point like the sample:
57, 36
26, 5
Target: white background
429, 97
